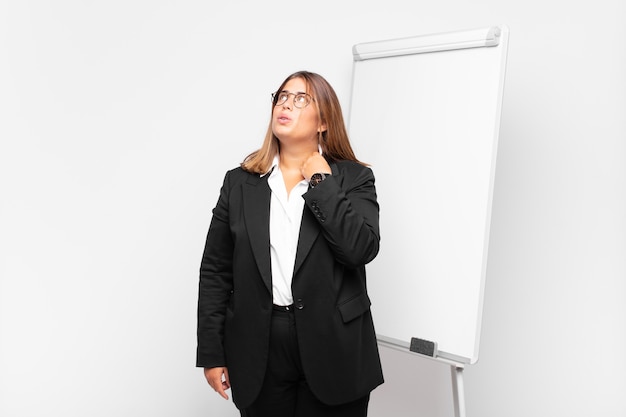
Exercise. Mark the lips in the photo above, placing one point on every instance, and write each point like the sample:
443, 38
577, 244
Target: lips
283, 118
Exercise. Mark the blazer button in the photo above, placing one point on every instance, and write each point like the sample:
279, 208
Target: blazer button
299, 304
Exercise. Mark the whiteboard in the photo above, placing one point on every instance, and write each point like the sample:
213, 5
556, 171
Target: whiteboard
425, 114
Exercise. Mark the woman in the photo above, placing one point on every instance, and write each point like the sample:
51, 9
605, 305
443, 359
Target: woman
283, 311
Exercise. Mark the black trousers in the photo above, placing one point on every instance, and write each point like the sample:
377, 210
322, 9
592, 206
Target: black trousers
285, 392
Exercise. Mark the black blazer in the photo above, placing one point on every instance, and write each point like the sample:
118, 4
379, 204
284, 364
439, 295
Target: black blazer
338, 236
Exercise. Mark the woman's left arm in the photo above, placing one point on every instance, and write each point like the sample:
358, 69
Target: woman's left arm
347, 211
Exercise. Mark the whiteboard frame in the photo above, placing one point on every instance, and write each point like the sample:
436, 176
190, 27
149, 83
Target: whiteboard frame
438, 42
493, 36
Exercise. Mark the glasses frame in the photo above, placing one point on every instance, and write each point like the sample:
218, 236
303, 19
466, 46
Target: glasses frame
276, 94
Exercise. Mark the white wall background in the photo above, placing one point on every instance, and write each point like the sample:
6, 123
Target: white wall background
119, 118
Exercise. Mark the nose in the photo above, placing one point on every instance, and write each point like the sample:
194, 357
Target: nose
288, 104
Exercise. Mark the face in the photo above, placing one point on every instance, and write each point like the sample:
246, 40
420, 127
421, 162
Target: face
293, 125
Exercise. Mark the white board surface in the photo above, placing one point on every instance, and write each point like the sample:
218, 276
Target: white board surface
427, 123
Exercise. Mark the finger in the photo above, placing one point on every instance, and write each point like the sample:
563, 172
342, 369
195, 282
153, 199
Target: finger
221, 392
226, 383
218, 387
214, 378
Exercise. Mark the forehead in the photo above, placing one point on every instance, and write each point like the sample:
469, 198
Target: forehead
295, 85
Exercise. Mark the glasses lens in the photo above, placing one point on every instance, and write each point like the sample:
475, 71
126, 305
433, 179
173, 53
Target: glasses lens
279, 98
301, 100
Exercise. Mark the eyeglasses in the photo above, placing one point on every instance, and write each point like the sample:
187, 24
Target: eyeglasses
300, 100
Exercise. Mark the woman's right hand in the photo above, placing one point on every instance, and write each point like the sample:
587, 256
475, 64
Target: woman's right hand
218, 380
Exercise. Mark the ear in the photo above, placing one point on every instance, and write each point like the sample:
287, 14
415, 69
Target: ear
322, 128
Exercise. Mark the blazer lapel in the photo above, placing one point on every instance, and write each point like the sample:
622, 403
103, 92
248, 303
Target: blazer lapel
256, 209
309, 230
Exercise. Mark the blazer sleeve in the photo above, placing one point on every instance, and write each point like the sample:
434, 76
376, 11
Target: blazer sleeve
216, 284
346, 208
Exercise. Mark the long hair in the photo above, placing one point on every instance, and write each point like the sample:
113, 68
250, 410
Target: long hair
334, 141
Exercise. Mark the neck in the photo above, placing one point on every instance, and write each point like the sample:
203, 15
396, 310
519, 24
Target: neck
292, 158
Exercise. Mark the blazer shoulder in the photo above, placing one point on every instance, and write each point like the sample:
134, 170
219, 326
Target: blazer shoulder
353, 170
238, 175
352, 166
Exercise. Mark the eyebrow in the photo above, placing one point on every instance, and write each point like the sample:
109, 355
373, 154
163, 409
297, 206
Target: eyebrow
297, 92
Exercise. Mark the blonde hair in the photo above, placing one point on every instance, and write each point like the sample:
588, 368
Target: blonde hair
334, 140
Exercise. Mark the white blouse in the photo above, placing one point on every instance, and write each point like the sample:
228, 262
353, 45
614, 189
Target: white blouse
285, 219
